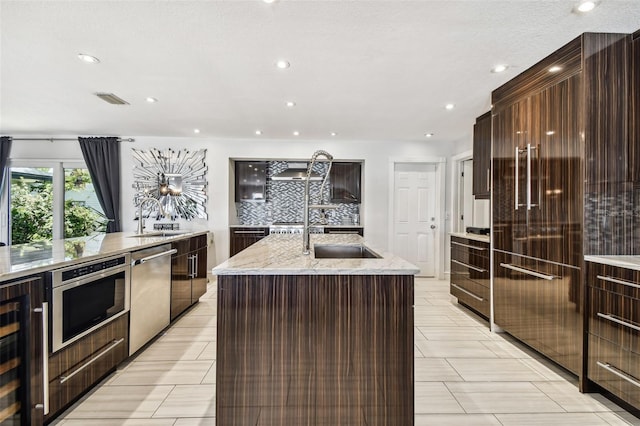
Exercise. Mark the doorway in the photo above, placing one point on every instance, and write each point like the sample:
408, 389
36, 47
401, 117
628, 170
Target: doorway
416, 214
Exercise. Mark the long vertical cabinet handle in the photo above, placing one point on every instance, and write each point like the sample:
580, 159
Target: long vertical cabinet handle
195, 265
515, 176
528, 176
488, 179
537, 148
45, 357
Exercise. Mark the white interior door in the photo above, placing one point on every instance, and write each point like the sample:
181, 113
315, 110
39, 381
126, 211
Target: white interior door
415, 216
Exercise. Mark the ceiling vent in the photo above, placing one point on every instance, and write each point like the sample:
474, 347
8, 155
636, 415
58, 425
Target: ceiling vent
111, 98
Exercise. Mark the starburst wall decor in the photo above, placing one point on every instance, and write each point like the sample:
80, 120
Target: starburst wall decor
175, 178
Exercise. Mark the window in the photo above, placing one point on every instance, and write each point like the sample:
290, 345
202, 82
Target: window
52, 201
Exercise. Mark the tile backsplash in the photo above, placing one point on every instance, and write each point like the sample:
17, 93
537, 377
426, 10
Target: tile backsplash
285, 201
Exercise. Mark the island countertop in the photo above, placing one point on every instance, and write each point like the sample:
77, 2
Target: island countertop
281, 254
24, 259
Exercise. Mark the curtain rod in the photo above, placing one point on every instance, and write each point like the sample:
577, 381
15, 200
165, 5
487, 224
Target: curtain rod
65, 139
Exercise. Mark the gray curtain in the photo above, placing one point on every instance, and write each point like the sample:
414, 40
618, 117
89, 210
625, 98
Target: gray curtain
5, 150
102, 156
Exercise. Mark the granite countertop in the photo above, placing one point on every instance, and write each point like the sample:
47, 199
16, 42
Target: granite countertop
281, 254
629, 262
24, 259
476, 237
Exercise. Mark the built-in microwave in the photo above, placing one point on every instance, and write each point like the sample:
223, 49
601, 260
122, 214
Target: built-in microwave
86, 296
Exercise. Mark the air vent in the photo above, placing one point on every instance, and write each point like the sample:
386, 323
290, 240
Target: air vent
111, 98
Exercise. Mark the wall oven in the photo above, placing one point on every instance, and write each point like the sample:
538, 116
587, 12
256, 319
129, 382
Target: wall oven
85, 297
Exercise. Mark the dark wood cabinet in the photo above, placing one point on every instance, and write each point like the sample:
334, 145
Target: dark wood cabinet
634, 110
560, 161
470, 281
251, 180
22, 354
81, 365
482, 157
613, 313
345, 182
188, 273
243, 237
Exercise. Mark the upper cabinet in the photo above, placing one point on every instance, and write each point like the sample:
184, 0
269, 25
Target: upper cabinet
251, 180
345, 179
634, 111
482, 156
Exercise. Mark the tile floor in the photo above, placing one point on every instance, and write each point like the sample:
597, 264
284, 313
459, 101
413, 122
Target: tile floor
465, 375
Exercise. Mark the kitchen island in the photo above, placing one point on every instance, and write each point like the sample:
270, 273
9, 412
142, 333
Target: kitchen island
307, 341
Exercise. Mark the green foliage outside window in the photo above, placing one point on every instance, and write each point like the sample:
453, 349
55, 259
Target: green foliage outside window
32, 210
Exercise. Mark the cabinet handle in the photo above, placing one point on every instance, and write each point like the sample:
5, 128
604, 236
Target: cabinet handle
467, 292
488, 179
468, 246
610, 368
249, 232
195, 265
615, 319
529, 272
613, 280
94, 359
515, 177
342, 232
45, 357
469, 266
528, 176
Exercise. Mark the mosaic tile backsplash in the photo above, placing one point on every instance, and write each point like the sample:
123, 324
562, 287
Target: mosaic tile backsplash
285, 202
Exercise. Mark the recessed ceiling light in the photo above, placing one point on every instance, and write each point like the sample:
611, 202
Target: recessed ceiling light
88, 58
586, 6
258, 132
334, 134
555, 68
269, 1
151, 100
550, 132
428, 135
499, 68
282, 64
196, 130
291, 104
449, 106
296, 133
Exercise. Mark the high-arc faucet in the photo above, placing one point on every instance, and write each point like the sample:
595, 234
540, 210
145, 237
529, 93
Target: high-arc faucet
143, 200
305, 213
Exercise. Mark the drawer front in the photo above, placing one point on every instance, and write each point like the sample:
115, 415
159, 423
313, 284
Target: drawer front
615, 369
623, 281
473, 295
615, 317
472, 257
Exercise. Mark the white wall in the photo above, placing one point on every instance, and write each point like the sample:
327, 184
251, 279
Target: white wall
374, 210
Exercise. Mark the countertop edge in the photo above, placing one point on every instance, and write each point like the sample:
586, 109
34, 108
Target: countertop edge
622, 261
476, 237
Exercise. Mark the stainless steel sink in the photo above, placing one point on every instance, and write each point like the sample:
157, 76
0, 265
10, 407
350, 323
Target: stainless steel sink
159, 234
343, 251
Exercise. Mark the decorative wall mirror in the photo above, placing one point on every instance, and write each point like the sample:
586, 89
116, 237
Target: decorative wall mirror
175, 178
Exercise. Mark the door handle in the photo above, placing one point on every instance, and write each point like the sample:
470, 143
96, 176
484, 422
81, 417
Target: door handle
433, 227
515, 177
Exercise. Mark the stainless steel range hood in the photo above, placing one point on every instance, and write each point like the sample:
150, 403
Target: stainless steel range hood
296, 172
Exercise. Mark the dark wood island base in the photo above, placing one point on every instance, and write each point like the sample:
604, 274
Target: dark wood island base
315, 350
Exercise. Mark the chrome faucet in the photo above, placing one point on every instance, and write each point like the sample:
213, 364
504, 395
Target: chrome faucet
307, 206
143, 200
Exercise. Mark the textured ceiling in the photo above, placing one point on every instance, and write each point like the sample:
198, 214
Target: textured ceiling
368, 70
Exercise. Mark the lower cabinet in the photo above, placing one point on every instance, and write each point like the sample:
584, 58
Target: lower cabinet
243, 237
344, 230
188, 273
79, 366
540, 303
470, 281
614, 330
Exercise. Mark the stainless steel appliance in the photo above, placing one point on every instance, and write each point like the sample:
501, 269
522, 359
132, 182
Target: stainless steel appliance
150, 294
293, 228
86, 296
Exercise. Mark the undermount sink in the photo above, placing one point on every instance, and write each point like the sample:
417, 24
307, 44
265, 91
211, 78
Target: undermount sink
343, 251
158, 234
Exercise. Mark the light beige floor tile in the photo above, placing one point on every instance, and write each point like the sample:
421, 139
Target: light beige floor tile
172, 351
189, 334
454, 349
189, 401
209, 352
163, 372
619, 419
434, 397
565, 394
547, 419
204, 307
456, 420
505, 349
549, 371
116, 422
454, 333
493, 369
190, 320
210, 377
502, 397
434, 370
121, 402
201, 421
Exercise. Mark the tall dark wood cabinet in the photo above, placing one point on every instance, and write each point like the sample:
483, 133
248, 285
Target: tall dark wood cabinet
560, 145
22, 354
188, 273
482, 157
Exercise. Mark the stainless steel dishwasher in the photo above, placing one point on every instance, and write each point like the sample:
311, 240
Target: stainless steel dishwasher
150, 294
